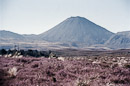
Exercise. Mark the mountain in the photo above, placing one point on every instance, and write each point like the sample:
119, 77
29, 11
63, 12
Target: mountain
74, 32
78, 31
8, 39
120, 40
8, 35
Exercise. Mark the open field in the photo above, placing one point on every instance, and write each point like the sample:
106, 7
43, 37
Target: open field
92, 53
74, 68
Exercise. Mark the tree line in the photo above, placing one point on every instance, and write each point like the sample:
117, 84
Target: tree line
25, 53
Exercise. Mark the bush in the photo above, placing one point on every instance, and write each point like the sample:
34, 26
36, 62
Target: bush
81, 83
12, 72
3, 52
127, 65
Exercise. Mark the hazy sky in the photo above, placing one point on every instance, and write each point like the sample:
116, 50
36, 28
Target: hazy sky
37, 16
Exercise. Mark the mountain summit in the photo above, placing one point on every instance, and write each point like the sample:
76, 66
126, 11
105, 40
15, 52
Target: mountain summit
77, 30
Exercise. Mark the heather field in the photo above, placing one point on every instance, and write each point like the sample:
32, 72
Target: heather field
101, 70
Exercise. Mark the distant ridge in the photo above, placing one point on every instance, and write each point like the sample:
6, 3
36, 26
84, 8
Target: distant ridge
10, 35
77, 30
120, 40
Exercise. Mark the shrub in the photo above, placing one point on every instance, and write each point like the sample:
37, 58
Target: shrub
61, 58
51, 55
3, 52
81, 83
127, 65
3, 76
12, 72
35, 66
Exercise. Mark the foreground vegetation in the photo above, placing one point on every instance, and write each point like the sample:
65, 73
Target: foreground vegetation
65, 71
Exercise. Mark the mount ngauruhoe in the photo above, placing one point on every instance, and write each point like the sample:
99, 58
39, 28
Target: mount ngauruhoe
78, 31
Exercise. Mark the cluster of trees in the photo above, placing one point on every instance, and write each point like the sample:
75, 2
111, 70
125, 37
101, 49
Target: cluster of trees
33, 53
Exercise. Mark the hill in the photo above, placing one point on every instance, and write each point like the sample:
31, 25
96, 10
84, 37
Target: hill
120, 40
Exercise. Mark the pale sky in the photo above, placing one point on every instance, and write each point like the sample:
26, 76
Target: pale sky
38, 16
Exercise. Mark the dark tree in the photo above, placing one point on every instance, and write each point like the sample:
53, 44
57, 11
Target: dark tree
3, 52
9, 51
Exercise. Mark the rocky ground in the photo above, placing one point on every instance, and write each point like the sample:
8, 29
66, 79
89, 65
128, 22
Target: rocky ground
65, 71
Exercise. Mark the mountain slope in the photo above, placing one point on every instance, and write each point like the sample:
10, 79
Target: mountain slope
77, 30
10, 35
119, 40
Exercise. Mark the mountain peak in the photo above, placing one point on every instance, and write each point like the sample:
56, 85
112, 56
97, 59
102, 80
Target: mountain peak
76, 17
77, 30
